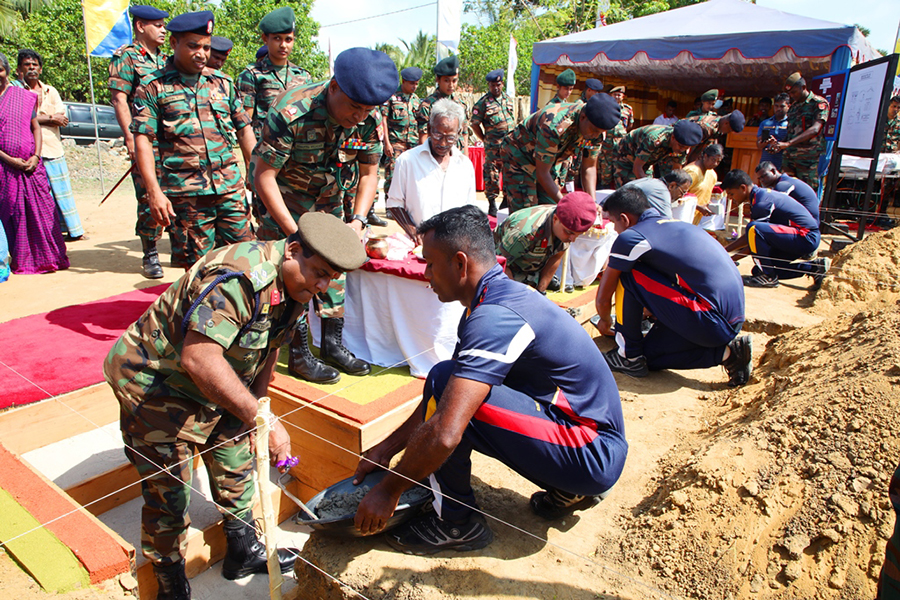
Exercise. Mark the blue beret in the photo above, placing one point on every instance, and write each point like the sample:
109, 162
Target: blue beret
221, 44
280, 20
147, 13
495, 75
566, 78
193, 22
366, 76
603, 111
687, 133
261, 51
411, 74
448, 66
594, 84
736, 120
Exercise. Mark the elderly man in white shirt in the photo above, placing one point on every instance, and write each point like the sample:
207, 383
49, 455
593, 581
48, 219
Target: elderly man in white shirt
434, 176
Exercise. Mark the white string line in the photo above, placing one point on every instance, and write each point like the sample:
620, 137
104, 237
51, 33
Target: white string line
497, 519
378, 16
173, 476
831, 272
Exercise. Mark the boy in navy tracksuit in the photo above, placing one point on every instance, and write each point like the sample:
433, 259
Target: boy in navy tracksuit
781, 231
685, 279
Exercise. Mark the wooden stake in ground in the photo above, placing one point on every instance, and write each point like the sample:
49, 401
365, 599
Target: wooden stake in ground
264, 489
565, 270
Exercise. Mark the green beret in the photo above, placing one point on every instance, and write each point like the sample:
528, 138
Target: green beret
566, 78
280, 20
709, 96
447, 67
793, 80
330, 238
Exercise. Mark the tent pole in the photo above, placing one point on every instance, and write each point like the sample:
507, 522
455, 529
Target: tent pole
93, 102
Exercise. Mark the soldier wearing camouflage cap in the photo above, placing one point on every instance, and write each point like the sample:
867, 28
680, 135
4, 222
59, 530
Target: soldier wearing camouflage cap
805, 136
319, 141
492, 119
188, 375
195, 117
707, 104
446, 74
129, 69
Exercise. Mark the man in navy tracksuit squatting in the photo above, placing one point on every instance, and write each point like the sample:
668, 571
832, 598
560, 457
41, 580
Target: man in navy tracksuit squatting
685, 280
527, 386
781, 230
770, 177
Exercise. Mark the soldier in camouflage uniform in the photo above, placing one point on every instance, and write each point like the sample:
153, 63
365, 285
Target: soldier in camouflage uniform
565, 83
552, 134
446, 72
707, 104
891, 143
188, 375
653, 144
806, 139
219, 49
401, 131
492, 119
270, 75
315, 141
591, 87
609, 145
195, 116
129, 69
534, 239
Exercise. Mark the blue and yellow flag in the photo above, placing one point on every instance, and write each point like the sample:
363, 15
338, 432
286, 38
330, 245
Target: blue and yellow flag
107, 26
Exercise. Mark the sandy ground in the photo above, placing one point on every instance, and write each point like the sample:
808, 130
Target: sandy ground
644, 541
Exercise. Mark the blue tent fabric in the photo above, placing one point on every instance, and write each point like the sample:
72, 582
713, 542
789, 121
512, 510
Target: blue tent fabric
707, 31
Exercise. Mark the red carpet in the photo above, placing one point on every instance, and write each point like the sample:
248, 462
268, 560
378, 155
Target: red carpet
63, 350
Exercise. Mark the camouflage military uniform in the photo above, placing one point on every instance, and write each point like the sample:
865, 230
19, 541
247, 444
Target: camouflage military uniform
195, 127
496, 117
609, 147
129, 69
261, 82
549, 135
235, 297
560, 170
891, 143
650, 143
317, 161
802, 160
424, 112
526, 240
399, 116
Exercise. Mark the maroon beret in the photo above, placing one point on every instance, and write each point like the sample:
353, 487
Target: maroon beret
577, 211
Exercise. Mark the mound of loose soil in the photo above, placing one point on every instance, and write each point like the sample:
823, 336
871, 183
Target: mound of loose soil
865, 273
788, 496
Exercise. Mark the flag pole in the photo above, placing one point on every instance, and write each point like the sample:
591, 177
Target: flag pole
93, 103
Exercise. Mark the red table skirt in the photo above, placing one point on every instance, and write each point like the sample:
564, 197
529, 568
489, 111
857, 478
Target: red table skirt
476, 155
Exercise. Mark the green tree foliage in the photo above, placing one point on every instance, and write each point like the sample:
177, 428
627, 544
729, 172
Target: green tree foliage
56, 31
418, 53
12, 10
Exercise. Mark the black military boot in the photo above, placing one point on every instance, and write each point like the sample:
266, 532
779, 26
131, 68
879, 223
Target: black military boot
151, 268
246, 555
334, 353
375, 220
304, 364
492, 207
173, 583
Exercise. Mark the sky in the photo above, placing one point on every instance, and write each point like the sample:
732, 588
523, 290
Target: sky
881, 16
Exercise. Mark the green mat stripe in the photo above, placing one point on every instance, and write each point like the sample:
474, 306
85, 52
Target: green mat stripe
50, 562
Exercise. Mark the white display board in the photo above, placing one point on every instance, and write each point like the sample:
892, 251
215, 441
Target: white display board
862, 104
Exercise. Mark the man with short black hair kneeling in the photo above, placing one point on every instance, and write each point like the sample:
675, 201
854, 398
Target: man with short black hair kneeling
527, 386
688, 283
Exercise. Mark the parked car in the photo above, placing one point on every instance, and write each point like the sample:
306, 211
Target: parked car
81, 123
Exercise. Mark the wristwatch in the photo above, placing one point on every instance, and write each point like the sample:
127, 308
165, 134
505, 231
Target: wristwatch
361, 219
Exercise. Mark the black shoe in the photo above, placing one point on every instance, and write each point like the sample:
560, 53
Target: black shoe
738, 363
151, 269
556, 504
761, 281
375, 220
553, 286
172, 582
492, 207
633, 367
334, 353
246, 555
569, 288
303, 364
428, 534
822, 265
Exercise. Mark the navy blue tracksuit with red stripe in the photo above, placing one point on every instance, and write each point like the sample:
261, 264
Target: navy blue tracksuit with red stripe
801, 192
553, 414
686, 279
781, 230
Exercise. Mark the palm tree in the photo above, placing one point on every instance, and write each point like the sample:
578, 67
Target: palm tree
10, 11
419, 52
